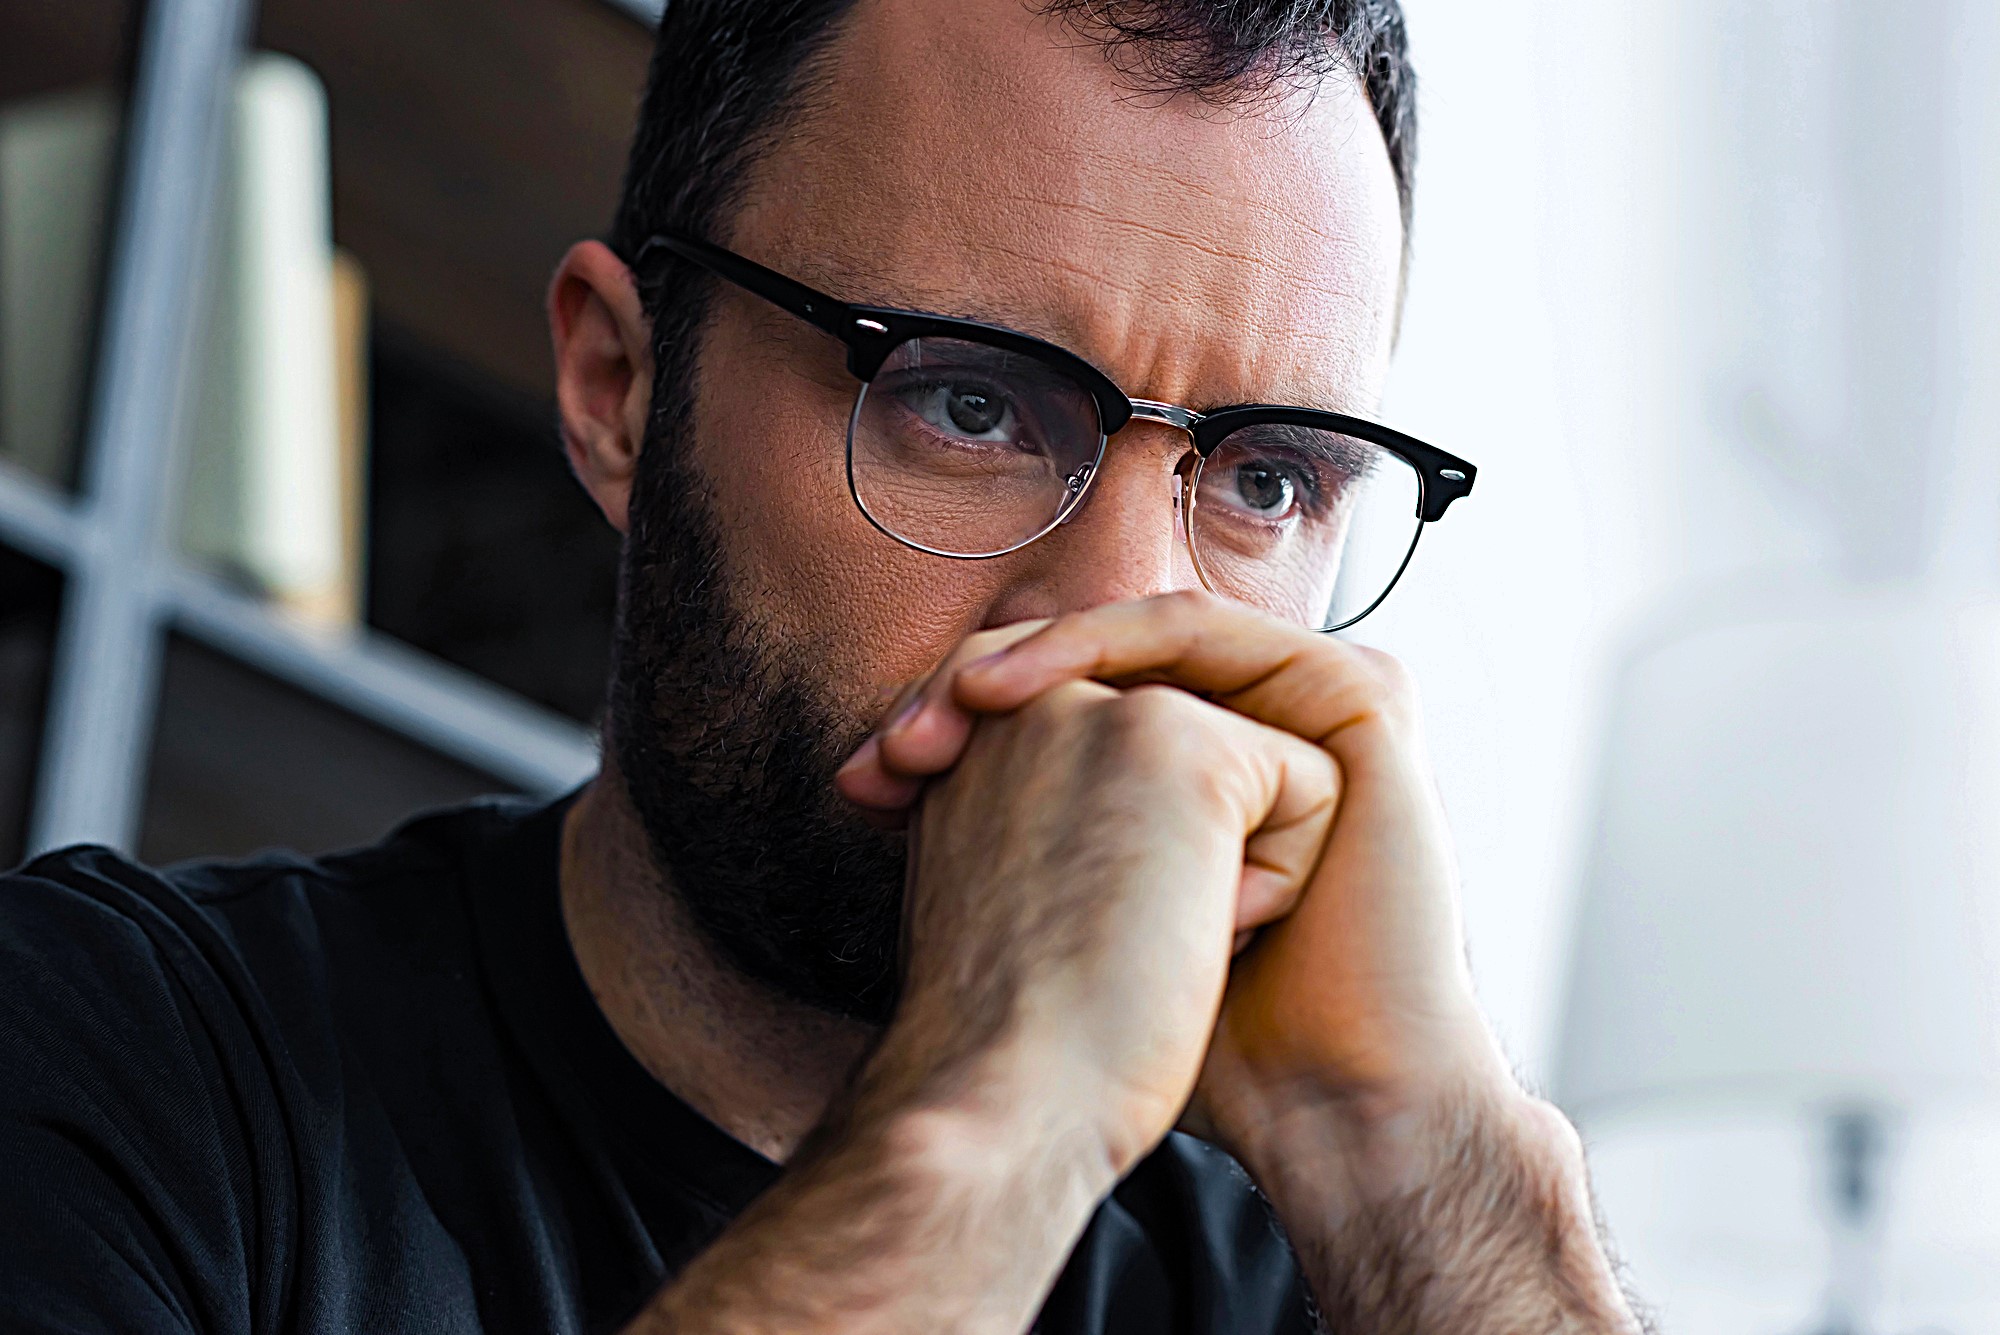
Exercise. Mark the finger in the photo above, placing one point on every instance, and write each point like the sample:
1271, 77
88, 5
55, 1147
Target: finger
929, 736
1306, 683
864, 782
1302, 792
1283, 790
924, 730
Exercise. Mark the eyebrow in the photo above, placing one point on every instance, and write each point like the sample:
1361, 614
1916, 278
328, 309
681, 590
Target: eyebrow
1069, 337
1353, 457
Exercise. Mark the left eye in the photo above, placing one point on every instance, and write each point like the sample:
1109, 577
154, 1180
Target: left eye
1266, 488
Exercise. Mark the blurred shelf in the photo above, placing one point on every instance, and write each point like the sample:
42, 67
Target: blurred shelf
471, 142
429, 702
238, 761
412, 694
36, 518
646, 11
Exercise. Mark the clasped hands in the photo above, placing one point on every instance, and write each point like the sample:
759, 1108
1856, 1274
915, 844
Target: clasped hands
1173, 861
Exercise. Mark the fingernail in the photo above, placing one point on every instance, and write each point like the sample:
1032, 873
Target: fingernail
863, 756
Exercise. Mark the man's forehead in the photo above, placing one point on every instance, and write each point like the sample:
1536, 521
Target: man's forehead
982, 158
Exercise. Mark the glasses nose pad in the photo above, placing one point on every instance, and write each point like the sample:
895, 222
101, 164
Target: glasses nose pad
1183, 482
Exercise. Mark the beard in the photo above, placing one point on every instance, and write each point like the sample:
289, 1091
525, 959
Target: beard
728, 745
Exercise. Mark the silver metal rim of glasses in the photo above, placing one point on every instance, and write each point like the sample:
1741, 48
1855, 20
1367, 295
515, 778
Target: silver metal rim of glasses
1143, 410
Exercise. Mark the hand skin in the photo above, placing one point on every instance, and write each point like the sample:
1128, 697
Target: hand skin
1076, 884
1350, 1070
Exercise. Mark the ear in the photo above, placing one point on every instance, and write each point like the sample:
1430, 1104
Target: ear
604, 372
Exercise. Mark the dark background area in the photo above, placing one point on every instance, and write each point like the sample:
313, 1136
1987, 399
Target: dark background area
237, 756
30, 601
482, 548
472, 141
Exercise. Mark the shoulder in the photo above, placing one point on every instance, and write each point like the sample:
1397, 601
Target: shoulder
185, 1063
88, 897
85, 931
86, 935
137, 1100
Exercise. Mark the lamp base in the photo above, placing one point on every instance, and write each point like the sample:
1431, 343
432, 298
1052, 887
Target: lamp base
1857, 1147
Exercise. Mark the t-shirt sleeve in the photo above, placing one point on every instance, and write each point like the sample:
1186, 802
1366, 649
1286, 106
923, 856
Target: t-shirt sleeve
132, 1192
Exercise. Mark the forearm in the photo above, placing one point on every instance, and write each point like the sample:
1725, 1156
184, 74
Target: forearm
921, 1219
1472, 1213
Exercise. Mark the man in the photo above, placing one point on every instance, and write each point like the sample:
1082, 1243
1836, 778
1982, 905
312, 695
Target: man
791, 1022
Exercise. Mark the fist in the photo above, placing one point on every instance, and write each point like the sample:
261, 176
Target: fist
1077, 883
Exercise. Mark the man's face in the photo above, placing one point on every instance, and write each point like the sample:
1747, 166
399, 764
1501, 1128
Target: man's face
972, 159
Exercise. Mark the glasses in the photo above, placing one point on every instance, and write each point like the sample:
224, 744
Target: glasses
971, 441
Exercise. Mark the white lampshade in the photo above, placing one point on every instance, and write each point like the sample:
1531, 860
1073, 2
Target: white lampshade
1797, 876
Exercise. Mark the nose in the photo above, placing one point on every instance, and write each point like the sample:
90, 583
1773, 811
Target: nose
1123, 541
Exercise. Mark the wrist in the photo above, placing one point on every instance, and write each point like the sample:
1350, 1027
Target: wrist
904, 1215
1336, 1154
984, 1115
1479, 1190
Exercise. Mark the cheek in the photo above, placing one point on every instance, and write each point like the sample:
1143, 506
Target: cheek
804, 564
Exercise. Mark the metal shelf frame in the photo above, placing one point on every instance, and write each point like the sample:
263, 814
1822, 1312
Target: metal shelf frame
125, 588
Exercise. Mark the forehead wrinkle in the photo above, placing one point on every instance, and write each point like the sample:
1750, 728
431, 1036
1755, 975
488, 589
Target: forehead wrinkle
1006, 301
1159, 231
1186, 343
1188, 258
1129, 330
1090, 327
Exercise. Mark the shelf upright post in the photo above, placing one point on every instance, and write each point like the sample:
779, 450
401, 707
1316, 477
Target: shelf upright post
108, 654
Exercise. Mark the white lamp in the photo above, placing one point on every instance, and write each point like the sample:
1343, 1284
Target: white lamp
1794, 895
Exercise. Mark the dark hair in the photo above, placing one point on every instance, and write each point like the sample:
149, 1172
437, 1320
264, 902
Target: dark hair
725, 73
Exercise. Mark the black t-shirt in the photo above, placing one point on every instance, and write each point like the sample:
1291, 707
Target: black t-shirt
371, 1093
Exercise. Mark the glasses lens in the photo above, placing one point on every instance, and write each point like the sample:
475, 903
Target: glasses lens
1309, 525
969, 450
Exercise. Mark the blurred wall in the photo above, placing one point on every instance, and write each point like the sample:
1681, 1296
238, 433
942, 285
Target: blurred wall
1711, 293
1708, 292
1539, 342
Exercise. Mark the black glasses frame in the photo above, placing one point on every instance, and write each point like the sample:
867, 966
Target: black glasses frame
871, 333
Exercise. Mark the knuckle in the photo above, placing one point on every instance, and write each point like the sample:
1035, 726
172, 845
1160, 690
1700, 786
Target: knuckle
1185, 605
1060, 704
1151, 710
1392, 675
1161, 730
1188, 599
1385, 684
1155, 699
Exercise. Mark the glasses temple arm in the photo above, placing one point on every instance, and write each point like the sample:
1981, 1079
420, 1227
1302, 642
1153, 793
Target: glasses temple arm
814, 307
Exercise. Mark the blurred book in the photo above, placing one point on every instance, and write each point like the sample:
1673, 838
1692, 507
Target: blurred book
57, 161
275, 462
350, 366
273, 466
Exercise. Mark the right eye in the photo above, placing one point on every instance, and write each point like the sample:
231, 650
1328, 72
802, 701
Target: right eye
963, 409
